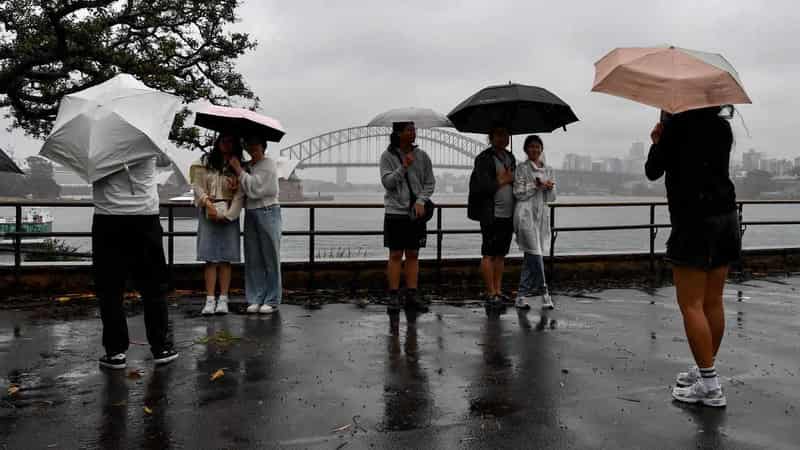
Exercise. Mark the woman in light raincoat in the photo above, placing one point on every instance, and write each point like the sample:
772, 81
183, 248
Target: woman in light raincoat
534, 188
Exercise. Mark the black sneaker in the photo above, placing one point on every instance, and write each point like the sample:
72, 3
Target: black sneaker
494, 303
505, 299
415, 301
113, 361
394, 304
164, 357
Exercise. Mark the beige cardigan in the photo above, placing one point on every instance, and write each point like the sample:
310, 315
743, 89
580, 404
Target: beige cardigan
210, 184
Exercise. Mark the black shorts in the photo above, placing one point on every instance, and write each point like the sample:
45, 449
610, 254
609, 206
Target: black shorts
706, 243
496, 237
402, 233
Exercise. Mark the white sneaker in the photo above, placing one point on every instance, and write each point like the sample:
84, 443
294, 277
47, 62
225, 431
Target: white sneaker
222, 306
252, 309
522, 303
697, 393
547, 302
686, 379
267, 309
208, 309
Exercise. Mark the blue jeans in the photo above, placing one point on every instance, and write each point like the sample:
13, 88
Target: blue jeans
262, 253
531, 280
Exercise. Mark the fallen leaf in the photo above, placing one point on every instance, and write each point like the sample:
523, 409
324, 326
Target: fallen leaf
134, 374
217, 375
119, 404
147, 410
13, 390
342, 428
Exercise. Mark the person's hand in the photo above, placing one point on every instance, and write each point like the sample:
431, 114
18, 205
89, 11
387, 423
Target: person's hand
549, 185
408, 159
233, 183
504, 177
419, 210
655, 135
236, 165
211, 212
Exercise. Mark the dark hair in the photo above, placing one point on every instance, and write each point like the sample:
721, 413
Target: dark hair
256, 139
531, 140
397, 128
214, 159
495, 128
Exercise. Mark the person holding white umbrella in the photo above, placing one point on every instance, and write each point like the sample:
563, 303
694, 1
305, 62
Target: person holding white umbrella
111, 135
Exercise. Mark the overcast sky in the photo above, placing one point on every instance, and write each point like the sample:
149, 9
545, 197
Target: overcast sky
323, 65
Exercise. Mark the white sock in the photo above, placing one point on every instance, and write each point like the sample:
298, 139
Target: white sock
210, 298
223, 298
710, 378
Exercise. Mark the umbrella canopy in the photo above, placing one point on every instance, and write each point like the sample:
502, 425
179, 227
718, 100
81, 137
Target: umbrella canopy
239, 121
669, 78
518, 107
103, 128
422, 118
8, 165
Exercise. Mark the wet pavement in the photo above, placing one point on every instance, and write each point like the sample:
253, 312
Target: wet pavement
594, 373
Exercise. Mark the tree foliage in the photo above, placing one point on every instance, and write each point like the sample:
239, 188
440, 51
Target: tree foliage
51, 48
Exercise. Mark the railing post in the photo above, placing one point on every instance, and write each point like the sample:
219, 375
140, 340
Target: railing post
439, 239
652, 238
18, 241
553, 236
439, 236
312, 228
170, 238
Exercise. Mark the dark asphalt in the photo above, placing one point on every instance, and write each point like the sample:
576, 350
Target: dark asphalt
595, 373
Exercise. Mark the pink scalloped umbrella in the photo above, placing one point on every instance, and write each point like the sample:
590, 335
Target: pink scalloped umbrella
669, 78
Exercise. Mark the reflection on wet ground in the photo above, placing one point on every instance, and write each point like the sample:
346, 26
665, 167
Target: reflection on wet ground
594, 373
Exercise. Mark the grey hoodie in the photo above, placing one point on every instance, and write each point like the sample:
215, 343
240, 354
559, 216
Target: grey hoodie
397, 198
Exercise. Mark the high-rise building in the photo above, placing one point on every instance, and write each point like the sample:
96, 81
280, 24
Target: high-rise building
751, 160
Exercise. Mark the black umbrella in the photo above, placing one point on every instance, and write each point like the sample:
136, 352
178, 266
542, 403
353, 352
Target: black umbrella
8, 165
518, 107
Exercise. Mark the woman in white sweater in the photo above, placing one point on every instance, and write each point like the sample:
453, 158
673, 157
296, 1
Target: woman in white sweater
534, 188
262, 228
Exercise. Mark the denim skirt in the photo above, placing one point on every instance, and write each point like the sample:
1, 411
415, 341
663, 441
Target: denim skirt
218, 242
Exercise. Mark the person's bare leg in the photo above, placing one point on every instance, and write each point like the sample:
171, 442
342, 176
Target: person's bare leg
487, 270
713, 306
499, 266
210, 272
224, 279
394, 269
690, 285
412, 269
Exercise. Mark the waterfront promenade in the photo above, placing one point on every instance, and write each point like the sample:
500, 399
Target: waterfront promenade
594, 373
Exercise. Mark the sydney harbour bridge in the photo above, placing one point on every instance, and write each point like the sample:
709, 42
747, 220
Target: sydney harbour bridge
362, 146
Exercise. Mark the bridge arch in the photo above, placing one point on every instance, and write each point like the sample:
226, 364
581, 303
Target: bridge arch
447, 149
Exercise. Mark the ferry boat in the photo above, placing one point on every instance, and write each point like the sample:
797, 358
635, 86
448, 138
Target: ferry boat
34, 220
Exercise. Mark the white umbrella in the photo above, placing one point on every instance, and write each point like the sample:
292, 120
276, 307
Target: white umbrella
422, 118
102, 129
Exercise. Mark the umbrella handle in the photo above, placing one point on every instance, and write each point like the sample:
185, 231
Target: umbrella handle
130, 179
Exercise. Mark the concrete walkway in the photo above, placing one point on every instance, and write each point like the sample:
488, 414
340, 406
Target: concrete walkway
595, 373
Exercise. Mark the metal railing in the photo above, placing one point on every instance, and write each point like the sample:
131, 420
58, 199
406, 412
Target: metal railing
438, 230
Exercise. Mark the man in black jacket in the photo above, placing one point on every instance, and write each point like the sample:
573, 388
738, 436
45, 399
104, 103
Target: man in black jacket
491, 202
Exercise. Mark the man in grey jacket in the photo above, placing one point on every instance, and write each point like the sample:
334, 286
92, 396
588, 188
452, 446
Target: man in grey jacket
406, 174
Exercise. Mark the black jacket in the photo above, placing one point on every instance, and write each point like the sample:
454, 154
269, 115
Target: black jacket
694, 152
483, 186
